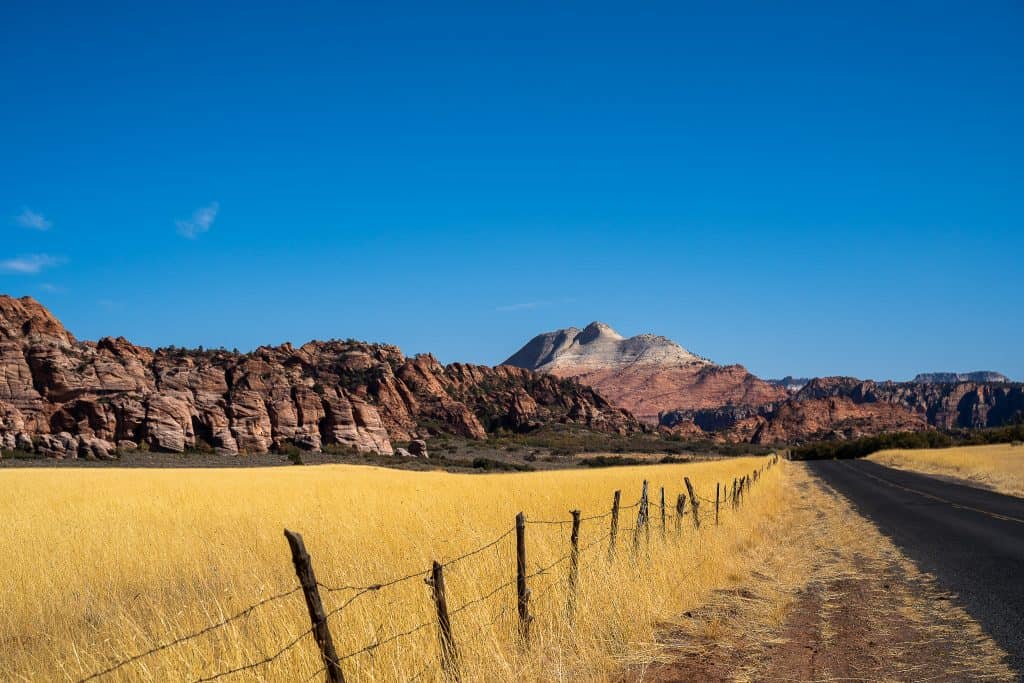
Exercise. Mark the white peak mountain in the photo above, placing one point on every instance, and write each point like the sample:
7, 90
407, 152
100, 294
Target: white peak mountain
597, 347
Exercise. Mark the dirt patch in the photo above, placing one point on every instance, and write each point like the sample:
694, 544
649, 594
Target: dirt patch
842, 604
862, 628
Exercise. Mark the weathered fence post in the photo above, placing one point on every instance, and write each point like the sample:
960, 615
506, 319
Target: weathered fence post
735, 494
680, 511
694, 502
522, 592
718, 495
641, 518
449, 655
615, 525
317, 616
574, 561
662, 512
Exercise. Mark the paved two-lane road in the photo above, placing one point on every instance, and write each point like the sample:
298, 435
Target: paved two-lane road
972, 540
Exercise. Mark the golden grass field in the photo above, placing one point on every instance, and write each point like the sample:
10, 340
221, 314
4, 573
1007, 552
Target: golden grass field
999, 467
101, 564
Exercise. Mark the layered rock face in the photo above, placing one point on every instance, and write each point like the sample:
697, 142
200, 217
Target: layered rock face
65, 398
647, 374
955, 377
846, 407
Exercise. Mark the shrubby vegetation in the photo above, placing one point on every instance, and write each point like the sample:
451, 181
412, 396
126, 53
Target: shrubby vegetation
567, 440
859, 448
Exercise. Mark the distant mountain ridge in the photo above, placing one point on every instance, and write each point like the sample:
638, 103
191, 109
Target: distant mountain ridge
954, 377
661, 382
646, 374
847, 408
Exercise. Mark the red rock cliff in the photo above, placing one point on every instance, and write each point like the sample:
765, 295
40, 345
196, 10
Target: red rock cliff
65, 398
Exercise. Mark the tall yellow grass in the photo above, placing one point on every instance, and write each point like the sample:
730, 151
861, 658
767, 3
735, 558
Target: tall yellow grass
100, 564
999, 467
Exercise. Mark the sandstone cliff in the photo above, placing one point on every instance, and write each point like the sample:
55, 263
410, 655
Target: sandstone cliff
646, 374
846, 407
65, 398
954, 377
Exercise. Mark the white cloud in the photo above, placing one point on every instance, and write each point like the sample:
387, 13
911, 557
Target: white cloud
30, 264
52, 288
32, 219
200, 222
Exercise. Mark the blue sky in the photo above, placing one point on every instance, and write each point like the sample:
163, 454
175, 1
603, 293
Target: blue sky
805, 188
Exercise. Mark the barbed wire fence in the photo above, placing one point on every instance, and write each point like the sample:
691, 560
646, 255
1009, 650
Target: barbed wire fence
332, 662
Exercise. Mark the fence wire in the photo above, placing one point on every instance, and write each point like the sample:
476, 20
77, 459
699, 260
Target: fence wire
732, 498
191, 636
253, 665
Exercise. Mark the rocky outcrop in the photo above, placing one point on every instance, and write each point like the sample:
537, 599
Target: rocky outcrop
846, 407
646, 374
64, 398
955, 377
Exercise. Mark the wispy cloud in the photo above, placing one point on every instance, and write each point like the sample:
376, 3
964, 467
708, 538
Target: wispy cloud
201, 221
52, 288
30, 264
531, 305
32, 219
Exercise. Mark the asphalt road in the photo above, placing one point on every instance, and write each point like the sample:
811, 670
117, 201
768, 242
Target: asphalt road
972, 540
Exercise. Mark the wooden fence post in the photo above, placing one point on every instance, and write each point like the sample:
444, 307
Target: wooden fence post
449, 655
522, 592
694, 502
574, 561
680, 511
317, 616
735, 499
615, 525
641, 518
718, 495
662, 512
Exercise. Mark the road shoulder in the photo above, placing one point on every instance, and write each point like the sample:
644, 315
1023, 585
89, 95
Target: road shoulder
839, 601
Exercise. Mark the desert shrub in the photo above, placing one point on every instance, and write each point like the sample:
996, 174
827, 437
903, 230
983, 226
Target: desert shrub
489, 465
610, 461
340, 449
18, 454
859, 448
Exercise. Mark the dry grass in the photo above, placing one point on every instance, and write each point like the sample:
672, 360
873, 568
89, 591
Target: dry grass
96, 565
999, 467
831, 599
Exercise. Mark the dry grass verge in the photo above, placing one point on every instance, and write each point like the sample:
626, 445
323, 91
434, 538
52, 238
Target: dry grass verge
999, 467
833, 599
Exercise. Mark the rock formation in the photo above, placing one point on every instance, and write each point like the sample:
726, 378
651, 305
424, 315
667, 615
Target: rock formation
955, 377
64, 398
646, 374
846, 407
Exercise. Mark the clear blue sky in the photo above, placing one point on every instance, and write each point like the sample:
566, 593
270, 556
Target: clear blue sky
806, 188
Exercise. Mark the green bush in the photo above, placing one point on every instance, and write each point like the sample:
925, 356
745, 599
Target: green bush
490, 465
610, 461
859, 448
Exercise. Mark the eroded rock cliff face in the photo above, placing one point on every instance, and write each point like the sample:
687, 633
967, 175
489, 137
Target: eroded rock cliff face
646, 374
846, 407
64, 398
